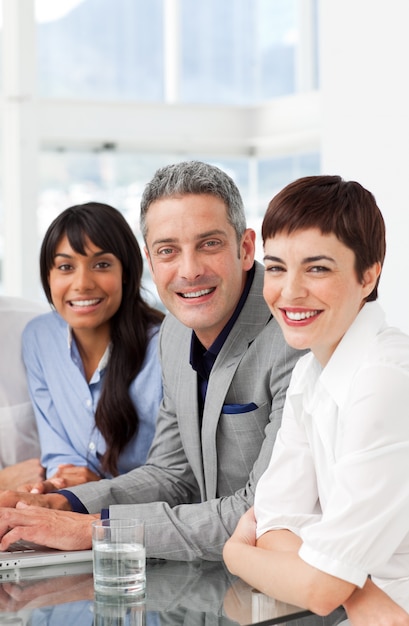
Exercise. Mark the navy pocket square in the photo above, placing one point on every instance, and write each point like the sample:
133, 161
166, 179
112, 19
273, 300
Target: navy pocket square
231, 409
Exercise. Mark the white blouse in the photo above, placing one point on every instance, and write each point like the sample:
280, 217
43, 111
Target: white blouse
339, 472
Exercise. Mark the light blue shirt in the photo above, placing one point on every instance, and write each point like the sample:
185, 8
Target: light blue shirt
65, 403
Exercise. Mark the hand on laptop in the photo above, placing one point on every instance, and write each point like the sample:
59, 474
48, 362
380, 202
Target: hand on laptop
67, 475
63, 530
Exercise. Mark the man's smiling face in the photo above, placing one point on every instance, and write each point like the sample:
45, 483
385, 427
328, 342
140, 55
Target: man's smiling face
198, 265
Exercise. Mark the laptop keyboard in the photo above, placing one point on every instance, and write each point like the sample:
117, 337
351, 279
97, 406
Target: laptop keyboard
20, 547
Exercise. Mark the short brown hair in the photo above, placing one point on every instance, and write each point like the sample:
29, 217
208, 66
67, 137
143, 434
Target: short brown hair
332, 205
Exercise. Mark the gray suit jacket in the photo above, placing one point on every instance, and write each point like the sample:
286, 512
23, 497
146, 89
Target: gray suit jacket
197, 482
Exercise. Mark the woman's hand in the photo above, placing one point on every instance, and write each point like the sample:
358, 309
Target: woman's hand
245, 531
371, 605
67, 475
29, 471
244, 535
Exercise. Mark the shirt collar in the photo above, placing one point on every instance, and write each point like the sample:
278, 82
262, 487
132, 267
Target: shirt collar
105, 357
196, 349
348, 355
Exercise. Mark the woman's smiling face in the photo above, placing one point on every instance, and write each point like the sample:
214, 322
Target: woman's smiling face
86, 289
312, 289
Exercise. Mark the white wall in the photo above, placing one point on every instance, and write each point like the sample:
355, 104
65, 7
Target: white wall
365, 131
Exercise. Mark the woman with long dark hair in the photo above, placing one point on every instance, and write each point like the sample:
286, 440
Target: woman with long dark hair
92, 363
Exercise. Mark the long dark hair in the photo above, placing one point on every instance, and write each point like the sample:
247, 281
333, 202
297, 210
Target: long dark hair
115, 416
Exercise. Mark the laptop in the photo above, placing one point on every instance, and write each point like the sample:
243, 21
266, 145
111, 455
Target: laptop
23, 554
41, 572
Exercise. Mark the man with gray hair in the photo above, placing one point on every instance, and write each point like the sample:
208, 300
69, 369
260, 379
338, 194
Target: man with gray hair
226, 368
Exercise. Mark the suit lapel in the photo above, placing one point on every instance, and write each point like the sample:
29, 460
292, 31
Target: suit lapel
252, 319
188, 413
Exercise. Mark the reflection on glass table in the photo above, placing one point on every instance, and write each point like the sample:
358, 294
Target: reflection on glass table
177, 593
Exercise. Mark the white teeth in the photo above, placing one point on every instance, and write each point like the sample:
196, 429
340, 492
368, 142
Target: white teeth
196, 294
300, 315
85, 302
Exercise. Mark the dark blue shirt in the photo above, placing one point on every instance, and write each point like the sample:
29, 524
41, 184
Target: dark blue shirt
202, 360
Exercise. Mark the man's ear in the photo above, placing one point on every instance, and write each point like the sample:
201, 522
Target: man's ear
248, 248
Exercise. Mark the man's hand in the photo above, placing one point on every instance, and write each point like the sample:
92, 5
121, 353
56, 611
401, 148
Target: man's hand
67, 475
63, 530
50, 501
29, 471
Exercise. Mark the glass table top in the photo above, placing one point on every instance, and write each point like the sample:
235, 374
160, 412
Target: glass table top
199, 593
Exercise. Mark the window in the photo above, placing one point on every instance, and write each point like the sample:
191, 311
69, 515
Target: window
228, 51
102, 49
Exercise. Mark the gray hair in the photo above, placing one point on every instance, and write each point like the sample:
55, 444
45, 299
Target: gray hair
195, 177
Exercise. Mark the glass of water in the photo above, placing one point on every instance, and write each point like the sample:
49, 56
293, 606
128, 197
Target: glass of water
119, 557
